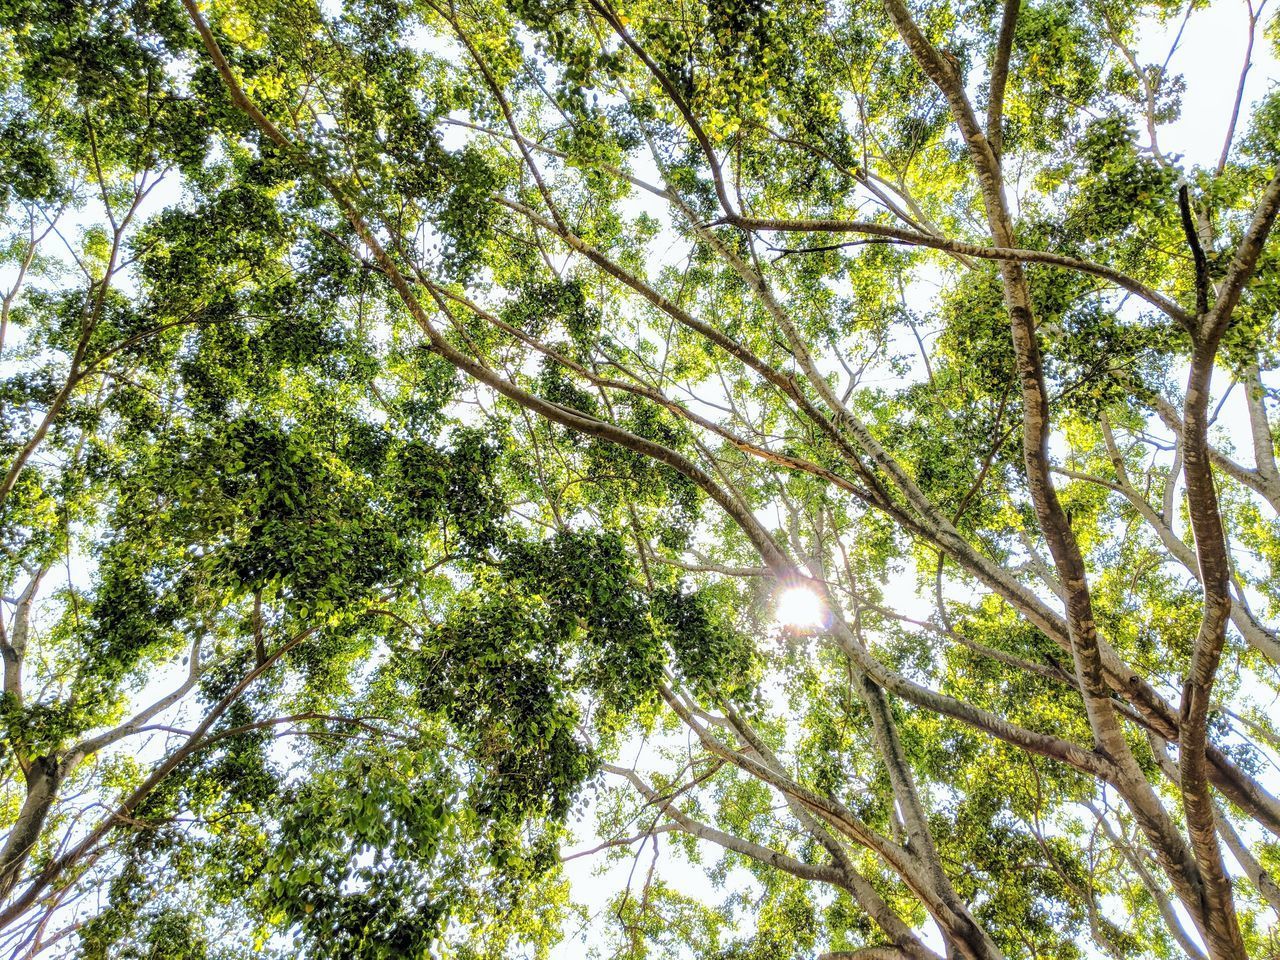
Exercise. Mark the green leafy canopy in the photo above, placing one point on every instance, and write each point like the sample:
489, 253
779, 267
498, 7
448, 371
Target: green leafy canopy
424, 423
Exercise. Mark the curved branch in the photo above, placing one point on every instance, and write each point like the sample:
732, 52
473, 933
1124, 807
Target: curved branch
977, 251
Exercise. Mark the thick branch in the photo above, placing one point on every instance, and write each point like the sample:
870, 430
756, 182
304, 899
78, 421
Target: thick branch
1000, 76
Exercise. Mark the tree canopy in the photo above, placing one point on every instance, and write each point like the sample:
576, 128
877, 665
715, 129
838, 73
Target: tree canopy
413, 410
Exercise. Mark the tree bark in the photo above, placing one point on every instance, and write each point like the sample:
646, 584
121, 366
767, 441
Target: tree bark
44, 778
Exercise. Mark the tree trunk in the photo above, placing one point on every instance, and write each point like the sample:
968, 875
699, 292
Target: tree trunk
44, 777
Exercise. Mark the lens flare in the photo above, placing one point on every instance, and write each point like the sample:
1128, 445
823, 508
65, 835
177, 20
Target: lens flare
800, 607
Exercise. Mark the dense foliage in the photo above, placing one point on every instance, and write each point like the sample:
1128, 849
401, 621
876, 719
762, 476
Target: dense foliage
413, 410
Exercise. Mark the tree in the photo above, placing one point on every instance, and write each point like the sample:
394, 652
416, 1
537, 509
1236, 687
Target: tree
446, 422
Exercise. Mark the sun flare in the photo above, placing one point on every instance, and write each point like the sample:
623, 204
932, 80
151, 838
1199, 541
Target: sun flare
800, 607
